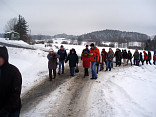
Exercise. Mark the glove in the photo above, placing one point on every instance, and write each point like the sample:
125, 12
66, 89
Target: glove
4, 113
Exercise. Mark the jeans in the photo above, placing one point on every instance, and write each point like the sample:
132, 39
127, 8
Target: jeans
109, 62
93, 69
61, 63
72, 71
136, 62
112, 64
97, 68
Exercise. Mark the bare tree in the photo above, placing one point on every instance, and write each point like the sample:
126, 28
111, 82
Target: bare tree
10, 25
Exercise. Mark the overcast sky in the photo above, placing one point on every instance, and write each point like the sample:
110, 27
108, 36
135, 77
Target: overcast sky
81, 16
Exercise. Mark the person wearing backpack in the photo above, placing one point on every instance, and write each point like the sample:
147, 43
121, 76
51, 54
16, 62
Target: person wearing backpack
73, 61
63, 54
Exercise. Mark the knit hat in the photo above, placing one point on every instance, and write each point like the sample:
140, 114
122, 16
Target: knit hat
4, 53
51, 50
92, 44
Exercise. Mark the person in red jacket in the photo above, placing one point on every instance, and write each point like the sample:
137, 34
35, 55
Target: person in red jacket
86, 60
94, 57
103, 59
145, 57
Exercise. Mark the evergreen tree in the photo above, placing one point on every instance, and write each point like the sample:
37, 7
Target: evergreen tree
22, 28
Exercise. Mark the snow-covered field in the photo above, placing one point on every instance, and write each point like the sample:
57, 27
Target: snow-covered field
125, 92
32, 64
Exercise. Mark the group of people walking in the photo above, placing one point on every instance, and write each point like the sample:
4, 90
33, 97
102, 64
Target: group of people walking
11, 79
92, 58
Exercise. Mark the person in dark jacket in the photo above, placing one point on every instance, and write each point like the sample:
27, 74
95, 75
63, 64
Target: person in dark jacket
149, 57
10, 87
86, 60
129, 57
118, 56
73, 60
52, 63
103, 59
136, 58
63, 54
141, 58
124, 56
154, 57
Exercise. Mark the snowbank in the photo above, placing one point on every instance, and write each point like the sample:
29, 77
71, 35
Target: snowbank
125, 92
31, 63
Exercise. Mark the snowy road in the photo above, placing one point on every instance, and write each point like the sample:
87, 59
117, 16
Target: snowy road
71, 100
63, 97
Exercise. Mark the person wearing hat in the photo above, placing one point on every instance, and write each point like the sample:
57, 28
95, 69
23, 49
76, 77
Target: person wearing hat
52, 63
10, 86
86, 60
73, 60
94, 57
63, 55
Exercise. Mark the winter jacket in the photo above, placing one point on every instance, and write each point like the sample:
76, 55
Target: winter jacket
145, 56
110, 56
136, 55
10, 85
118, 55
52, 63
86, 58
149, 55
141, 58
94, 54
124, 55
72, 58
129, 55
63, 54
103, 56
